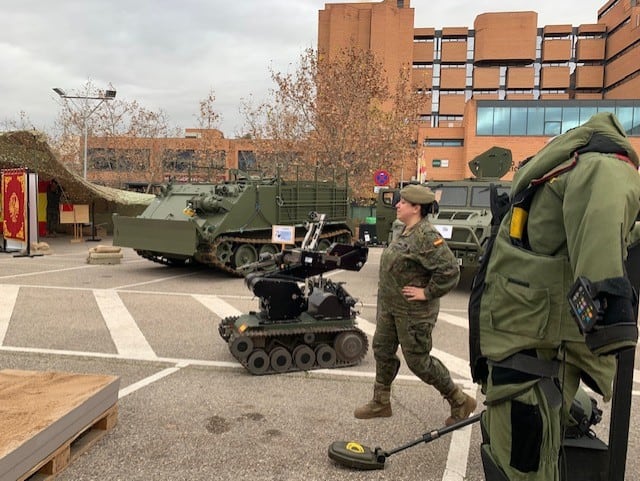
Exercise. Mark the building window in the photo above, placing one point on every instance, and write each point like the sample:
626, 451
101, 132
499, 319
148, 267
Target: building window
177, 160
443, 143
124, 160
246, 160
549, 118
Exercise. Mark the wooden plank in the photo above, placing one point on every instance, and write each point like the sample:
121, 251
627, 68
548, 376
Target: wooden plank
43, 413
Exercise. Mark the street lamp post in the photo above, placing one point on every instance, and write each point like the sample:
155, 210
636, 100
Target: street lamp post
108, 95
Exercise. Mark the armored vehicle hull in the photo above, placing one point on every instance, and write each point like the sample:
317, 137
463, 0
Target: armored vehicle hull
229, 225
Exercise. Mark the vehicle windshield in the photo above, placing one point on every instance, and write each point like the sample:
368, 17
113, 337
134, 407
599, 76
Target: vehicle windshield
480, 195
451, 196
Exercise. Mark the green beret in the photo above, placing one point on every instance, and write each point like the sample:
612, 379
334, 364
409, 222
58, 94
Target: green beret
417, 194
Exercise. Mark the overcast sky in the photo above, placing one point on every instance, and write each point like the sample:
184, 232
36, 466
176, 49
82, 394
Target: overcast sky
168, 54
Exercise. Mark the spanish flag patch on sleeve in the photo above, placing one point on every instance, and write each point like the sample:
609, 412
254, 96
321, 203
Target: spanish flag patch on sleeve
438, 242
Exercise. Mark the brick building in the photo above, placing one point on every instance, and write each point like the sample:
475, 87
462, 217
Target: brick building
505, 82
135, 163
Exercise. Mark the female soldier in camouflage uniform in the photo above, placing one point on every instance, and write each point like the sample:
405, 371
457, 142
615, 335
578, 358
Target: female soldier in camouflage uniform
416, 269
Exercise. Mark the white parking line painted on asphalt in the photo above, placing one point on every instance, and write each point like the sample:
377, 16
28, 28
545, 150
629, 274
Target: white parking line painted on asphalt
8, 296
150, 379
454, 320
348, 372
50, 271
154, 281
126, 334
217, 306
456, 467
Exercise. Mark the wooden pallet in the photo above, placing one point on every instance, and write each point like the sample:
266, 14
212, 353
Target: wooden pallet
57, 461
51, 418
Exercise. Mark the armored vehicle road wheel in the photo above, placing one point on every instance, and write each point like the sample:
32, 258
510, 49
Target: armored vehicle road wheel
241, 347
349, 346
280, 359
268, 249
304, 357
245, 254
325, 356
324, 244
223, 251
258, 362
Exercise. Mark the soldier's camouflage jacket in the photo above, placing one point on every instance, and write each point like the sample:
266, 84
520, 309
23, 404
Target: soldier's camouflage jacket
418, 257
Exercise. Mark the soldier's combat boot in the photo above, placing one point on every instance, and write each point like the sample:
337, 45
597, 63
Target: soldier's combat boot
379, 406
462, 405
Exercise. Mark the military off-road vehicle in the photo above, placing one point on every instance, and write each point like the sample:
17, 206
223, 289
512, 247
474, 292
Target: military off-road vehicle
464, 214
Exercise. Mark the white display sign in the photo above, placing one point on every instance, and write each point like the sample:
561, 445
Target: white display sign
283, 234
446, 231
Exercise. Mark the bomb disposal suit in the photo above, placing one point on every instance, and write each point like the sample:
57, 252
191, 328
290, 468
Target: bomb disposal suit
572, 208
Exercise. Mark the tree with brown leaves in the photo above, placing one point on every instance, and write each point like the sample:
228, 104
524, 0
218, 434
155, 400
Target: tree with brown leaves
338, 113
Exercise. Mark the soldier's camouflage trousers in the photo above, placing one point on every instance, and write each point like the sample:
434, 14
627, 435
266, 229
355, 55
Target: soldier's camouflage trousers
413, 335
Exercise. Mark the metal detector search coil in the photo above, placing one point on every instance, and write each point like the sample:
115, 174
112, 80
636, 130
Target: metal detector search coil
354, 455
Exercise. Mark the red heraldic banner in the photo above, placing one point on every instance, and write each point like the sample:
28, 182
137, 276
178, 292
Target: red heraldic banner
14, 204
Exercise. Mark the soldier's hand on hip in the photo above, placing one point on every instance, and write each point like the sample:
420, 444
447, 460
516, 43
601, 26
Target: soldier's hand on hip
414, 293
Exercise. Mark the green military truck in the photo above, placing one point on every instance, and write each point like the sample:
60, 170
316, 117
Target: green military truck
464, 215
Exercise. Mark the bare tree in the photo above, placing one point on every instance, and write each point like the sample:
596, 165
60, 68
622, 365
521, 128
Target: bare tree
122, 136
208, 118
338, 112
23, 122
209, 159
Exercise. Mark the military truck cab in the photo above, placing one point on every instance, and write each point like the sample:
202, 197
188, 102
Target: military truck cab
464, 215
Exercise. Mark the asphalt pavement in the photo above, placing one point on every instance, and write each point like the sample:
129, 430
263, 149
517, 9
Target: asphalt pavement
189, 411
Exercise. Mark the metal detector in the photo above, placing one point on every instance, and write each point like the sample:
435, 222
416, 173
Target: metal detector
355, 455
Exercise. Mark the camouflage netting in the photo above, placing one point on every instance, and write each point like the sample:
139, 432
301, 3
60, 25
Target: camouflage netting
29, 149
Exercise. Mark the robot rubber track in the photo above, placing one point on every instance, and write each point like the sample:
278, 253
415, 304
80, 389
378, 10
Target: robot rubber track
279, 351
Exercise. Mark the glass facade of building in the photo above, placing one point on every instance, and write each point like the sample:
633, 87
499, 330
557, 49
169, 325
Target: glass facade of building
551, 117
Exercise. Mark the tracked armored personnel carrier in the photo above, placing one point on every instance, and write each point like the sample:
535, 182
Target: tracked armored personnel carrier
464, 215
305, 321
228, 225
